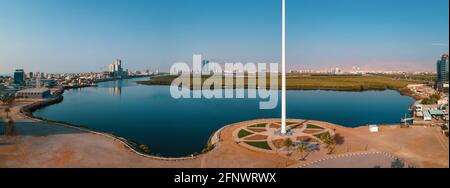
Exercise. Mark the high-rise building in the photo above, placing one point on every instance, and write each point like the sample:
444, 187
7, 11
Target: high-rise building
205, 67
118, 62
116, 69
111, 68
19, 77
118, 65
442, 69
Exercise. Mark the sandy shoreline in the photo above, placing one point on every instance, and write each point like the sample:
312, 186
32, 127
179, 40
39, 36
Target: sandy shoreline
46, 144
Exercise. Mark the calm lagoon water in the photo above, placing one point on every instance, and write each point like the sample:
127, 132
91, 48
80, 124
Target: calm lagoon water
171, 127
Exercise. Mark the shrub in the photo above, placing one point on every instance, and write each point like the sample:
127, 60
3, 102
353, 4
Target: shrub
432, 99
144, 148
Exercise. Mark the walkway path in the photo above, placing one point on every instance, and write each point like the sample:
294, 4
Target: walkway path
357, 160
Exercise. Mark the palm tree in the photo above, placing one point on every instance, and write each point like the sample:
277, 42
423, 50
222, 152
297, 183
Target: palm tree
144, 148
7, 111
4, 99
329, 141
332, 144
10, 129
301, 149
8, 100
288, 142
11, 100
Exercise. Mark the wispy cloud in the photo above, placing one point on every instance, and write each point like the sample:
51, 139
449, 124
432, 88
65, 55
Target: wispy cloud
439, 44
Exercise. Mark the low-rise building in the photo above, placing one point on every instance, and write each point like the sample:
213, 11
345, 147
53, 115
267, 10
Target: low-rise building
48, 83
34, 93
419, 108
427, 116
437, 113
374, 128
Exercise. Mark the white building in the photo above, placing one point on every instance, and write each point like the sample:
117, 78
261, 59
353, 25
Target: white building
116, 69
419, 108
427, 116
374, 128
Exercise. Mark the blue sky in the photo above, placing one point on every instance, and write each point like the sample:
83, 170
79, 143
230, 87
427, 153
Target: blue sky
373, 34
86, 35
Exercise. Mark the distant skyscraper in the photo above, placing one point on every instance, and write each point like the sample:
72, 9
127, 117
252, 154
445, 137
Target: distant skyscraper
118, 65
116, 69
111, 67
205, 67
19, 77
197, 64
442, 69
118, 61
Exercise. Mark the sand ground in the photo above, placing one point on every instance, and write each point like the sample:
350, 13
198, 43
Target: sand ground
42, 144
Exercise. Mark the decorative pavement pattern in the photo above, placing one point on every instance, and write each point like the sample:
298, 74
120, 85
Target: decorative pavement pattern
266, 137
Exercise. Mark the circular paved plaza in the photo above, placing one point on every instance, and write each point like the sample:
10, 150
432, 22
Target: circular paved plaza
266, 137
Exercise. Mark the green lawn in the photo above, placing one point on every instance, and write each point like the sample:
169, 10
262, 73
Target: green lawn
319, 136
261, 144
243, 133
258, 125
311, 126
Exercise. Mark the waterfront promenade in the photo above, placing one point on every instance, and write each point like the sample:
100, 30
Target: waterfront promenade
33, 143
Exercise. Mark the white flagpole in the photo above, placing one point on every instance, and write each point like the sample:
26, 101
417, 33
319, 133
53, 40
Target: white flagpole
283, 70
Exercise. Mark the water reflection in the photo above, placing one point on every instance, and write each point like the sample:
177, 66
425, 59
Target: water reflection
7, 129
172, 127
116, 88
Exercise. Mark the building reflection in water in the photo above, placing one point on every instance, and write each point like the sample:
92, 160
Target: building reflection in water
116, 88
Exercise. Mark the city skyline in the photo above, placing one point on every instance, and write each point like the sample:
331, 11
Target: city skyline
381, 35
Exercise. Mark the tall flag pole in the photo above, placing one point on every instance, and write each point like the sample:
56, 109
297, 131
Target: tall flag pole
283, 70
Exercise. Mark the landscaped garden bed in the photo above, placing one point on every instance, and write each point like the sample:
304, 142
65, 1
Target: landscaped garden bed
279, 143
312, 131
256, 137
262, 145
243, 133
257, 130
319, 136
299, 126
275, 126
306, 139
261, 125
311, 126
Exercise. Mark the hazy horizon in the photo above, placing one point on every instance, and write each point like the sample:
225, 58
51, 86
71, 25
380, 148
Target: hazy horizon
58, 36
